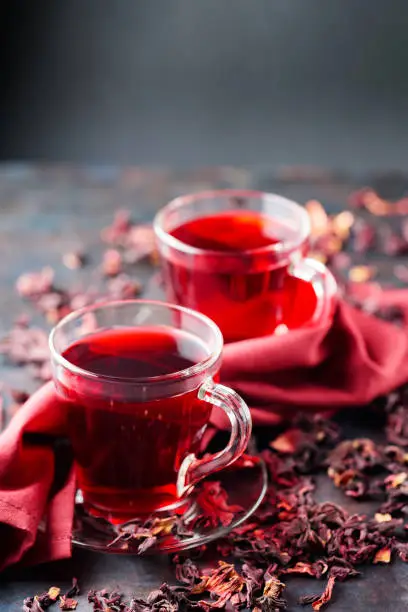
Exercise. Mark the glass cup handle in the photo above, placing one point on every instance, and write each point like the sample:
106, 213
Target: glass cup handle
324, 284
192, 469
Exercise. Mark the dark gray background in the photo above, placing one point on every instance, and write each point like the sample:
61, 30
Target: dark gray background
206, 81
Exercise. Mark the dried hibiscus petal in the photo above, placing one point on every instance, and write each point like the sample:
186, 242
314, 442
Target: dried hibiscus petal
212, 500
318, 601
74, 260
123, 287
33, 284
271, 598
319, 219
115, 233
288, 442
342, 224
141, 243
361, 274
382, 556
363, 236
68, 603
111, 263
187, 572
223, 582
301, 568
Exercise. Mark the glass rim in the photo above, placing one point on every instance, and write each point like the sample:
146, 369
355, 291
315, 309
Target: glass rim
192, 371
282, 246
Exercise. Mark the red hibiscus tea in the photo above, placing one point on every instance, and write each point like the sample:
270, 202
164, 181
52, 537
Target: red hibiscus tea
137, 382
128, 452
233, 262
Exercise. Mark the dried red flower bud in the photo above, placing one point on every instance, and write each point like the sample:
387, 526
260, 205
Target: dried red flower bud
115, 233
74, 260
33, 284
111, 263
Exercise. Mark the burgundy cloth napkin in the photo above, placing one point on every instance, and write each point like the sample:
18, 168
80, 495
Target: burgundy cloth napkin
35, 514
346, 361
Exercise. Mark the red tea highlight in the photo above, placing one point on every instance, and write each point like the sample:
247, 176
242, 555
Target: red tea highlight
128, 452
248, 294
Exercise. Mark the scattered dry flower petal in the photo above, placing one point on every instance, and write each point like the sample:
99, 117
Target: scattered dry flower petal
117, 232
319, 219
111, 263
74, 260
123, 287
53, 593
382, 556
396, 480
141, 243
342, 224
301, 568
382, 518
33, 284
213, 502
361, 274
288, 441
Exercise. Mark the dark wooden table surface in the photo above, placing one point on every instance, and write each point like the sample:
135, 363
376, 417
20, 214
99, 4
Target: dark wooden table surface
47, 211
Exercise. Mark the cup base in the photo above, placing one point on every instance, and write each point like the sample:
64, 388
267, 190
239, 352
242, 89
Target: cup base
141, 511
173, 529
121, 506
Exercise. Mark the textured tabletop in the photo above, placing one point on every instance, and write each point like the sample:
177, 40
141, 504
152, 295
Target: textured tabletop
48, 211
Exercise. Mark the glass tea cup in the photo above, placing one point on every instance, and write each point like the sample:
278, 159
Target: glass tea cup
137, 381
240, 258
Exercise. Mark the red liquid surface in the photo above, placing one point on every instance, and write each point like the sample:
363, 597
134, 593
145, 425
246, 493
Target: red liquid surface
128, 452
248, 296
228, 231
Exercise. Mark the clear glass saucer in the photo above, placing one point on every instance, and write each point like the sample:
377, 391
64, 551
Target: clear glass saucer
244, 483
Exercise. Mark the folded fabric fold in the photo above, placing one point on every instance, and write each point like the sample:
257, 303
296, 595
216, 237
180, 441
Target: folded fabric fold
35, 516
346, 361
